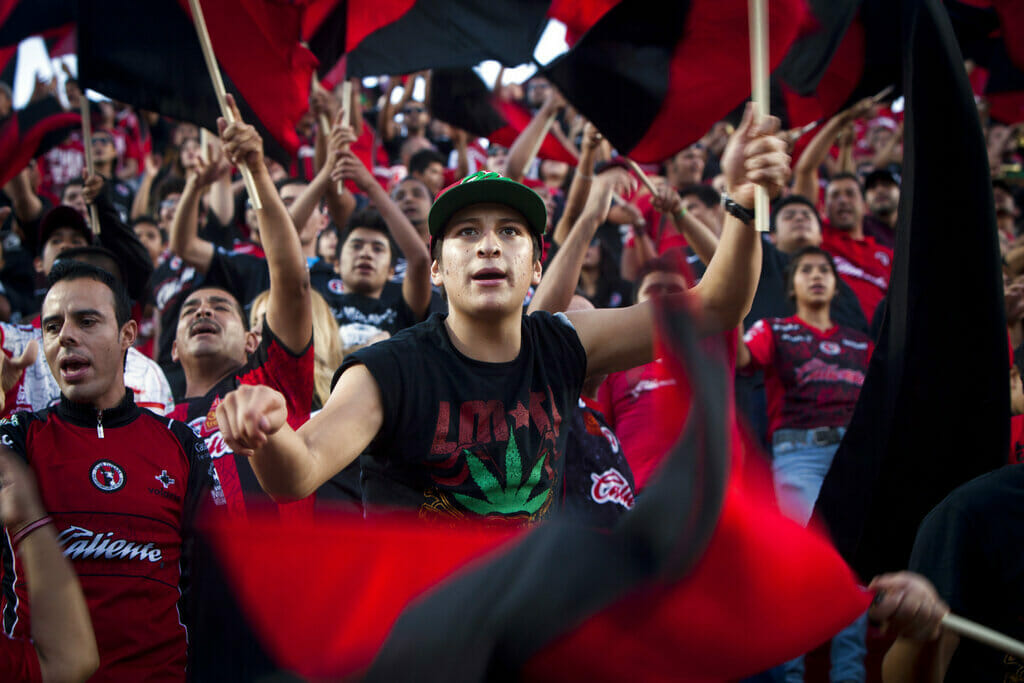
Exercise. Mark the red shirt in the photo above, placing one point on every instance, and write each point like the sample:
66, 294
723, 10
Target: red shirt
811, 377
864, 264
122, 498
278, 368
630, 400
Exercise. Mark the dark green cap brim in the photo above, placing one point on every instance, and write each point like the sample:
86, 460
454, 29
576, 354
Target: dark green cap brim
488, 190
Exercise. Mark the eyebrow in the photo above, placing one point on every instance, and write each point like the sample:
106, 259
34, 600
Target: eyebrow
212, 299
76, 314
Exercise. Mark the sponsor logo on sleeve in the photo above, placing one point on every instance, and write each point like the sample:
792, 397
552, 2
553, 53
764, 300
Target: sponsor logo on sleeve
611, 487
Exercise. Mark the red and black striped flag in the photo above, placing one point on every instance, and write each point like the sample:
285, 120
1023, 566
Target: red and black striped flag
934, 409
31, 132
402, 36
702, 580
148, 55
991, 33
654, 76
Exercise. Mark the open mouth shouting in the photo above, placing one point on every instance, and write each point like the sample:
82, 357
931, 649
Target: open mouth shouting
489, 277
73, 367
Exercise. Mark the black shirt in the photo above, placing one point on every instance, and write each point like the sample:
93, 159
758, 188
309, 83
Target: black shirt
599, 484
463, 438
969, 546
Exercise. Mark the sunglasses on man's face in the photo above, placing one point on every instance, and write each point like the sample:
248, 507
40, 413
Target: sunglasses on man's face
101, 140
413, 110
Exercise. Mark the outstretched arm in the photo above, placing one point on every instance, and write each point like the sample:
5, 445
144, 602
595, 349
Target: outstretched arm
581, 181
805, 175
616, 339
289, 309
559, 282
184, 239
291, 465
524, 150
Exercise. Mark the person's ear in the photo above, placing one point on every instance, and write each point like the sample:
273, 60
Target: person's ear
538, 270
435, 273
37, 262
129, 332
252, 342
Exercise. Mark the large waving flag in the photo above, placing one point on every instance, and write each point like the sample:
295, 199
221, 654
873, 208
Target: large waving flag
991, 33
401, 36
929, 418
654, 76
668, 594
147, 54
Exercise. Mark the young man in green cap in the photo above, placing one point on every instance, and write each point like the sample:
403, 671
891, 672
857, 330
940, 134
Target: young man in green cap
462, 415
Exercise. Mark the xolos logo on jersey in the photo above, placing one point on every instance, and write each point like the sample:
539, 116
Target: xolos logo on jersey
611, 487
106, 476
82, 544
830, 348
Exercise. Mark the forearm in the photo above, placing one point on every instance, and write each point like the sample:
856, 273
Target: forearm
559, 282
525, 147
26, 204
140, 205
285, 467
289, 307
912, 661
340, 206
846, 164
222, 199
699, 236
61, 627
416, 285
743, 356
461, 158
184, 239
728, 286
635, 256
304, 205
579, 190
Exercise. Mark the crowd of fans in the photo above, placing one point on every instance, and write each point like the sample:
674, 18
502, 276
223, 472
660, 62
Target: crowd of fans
241, 323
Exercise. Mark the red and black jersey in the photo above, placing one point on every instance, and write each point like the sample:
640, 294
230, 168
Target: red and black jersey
812, 377
122, 486
863, 264
272, 365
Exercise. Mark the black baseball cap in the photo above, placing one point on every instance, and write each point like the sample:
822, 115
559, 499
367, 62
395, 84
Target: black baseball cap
61, 217
487, 187
880, 175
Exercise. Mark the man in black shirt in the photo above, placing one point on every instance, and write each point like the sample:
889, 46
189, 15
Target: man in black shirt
461, 416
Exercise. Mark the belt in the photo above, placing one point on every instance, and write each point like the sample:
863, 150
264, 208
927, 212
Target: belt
819, 436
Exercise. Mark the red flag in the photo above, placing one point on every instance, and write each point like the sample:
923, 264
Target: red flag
31, 132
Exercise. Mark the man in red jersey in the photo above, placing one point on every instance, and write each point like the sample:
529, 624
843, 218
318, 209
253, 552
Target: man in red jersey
120, 483
864, 264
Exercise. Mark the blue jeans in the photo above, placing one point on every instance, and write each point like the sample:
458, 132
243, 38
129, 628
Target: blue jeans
800, 461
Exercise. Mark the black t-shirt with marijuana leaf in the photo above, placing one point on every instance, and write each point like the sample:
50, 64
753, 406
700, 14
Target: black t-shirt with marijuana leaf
462, 438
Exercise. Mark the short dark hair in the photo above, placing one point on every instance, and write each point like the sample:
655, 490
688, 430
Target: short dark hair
71, 269
421, 160
789, 201
371, 220
74, 182
172, 184
149, 220
666, 263
285, 182
846, 175
707, 195
794, 263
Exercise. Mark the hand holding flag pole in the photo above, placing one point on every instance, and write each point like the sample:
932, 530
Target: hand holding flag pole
94, 219
759, 91
218, 89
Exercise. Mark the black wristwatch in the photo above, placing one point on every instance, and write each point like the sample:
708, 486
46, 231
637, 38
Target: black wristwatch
744, 214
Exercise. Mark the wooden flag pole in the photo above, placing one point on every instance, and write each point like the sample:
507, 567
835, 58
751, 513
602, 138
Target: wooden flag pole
83, 102
633, 166
983, 634
759, 91
218, 89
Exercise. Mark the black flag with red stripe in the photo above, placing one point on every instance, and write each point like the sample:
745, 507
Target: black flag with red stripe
654, 76
147, 54
31, 132
902, 453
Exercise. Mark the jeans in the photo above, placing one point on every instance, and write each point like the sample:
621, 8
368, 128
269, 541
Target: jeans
800, 461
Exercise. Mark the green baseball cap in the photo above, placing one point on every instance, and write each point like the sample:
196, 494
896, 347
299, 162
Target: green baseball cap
487, 187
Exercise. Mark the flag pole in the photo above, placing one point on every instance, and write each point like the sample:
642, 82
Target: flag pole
983, 634
218, 89
759, 91
83, 103
633, 166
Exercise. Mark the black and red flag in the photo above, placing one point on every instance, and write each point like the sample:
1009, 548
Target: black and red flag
402, 36
148, 55
934, 409
31, 132
991, 33
702, 580
654, 76
53, 20
850, 51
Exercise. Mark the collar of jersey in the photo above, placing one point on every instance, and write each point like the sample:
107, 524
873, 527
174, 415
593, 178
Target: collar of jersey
85, 415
